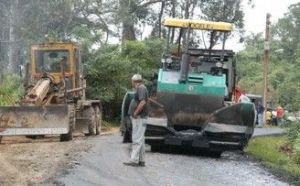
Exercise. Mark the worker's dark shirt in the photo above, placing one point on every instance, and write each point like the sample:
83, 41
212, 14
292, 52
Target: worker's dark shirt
260, 109
140, 94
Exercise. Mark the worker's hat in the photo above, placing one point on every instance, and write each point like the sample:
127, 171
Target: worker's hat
136, 77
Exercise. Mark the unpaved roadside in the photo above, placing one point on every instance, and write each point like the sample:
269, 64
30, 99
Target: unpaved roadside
24, 161
33, 162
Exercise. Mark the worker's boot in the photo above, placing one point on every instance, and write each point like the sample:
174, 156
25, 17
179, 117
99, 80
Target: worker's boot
142, 164
130, 163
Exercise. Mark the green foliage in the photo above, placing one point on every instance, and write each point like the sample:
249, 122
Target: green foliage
297, 148
249, 65
288, 95
11, 90
109, 69
287, 30
293, 132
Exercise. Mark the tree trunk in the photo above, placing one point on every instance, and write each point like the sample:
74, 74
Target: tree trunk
160, 18
187, 9
186, 16
13, 66
128, 32
173, 14
126, 10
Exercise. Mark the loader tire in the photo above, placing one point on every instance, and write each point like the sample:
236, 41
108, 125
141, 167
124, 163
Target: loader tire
91, 113
72, 119
98, 120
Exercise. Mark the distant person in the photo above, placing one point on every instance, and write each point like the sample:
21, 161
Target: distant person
260, 114
280, 115
244, 99
268, 117
274, 118
138, 114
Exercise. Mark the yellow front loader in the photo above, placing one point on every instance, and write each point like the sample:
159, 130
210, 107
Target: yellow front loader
55, 101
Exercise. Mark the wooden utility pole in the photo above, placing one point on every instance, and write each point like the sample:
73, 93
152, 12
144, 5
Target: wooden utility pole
266, 60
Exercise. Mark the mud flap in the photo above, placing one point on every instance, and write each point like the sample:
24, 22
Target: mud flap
33, 120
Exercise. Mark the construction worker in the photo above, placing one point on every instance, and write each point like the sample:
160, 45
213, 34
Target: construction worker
244, 99
138, 114
268, 117
280, 115
260, 114
274, 117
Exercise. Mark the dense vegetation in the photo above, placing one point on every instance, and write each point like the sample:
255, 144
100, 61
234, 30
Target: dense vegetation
109, 69
94, 24
11, 90
284, 76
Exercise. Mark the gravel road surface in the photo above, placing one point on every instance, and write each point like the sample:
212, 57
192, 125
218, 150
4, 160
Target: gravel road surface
258, 132
102, 165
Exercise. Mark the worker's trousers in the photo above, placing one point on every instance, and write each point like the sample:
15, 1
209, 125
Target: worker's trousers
138, 139
260, 118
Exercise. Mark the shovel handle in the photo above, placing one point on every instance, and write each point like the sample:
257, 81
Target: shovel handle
156, 102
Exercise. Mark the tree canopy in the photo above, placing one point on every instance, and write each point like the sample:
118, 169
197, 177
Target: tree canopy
94, 24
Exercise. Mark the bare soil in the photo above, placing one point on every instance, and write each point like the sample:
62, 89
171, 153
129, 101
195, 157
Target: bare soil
25, 161
30, 162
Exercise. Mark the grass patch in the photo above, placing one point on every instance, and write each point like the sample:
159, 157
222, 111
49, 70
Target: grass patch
269, 151
11, 90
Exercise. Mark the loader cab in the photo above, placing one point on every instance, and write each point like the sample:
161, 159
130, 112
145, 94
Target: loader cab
54, 59
50, 61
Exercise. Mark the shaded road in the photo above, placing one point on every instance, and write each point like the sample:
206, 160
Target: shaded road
103, 166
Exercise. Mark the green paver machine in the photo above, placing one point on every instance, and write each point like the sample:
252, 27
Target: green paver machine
191, 105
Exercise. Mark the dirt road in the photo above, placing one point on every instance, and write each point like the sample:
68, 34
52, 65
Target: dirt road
103, 166
34, 163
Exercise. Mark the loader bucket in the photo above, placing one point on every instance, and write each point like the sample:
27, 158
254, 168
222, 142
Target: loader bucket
33, 120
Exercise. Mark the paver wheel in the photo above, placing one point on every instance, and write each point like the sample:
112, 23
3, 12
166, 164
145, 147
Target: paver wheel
72, 119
